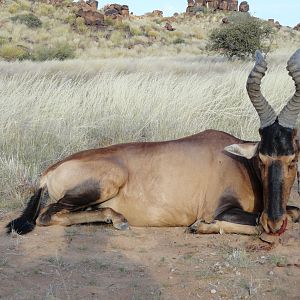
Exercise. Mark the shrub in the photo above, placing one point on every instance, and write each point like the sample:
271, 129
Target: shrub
136, 30
117, 38
45, 9
152, 34
3, 40
59, 52
14, 7
29, 20
80, 25
179, 41
241, 37
124, 26
11, 52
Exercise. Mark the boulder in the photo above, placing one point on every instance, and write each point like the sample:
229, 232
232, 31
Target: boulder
93, 4
223, 5
191, 3
169, 27
201, 3
116, 10
244, 6
233, 5
212, 4
115, 6
125, 7
111, 12
297, 27
274, 23
157, 13
87, 6
91, 17
125, 13
278, 25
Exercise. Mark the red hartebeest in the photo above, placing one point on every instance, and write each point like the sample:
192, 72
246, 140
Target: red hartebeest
211, 181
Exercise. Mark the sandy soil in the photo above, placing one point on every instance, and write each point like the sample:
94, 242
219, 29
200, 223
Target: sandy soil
99, 262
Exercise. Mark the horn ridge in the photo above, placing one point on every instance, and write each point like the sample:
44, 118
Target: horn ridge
265, 111
289, 114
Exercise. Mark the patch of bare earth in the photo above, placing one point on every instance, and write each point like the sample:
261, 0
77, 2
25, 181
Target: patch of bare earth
99, 262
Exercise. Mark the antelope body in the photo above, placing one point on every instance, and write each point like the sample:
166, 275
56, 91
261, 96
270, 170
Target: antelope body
211, 181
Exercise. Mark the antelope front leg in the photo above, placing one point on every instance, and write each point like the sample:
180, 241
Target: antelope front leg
222, 227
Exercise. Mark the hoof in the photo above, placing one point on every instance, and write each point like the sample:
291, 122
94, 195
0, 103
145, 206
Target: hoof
121, 226
194, 228
43, 220
191, 229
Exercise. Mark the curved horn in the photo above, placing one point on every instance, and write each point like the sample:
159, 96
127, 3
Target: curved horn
265, 112
288, 115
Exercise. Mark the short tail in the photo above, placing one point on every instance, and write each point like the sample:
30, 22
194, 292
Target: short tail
26, 222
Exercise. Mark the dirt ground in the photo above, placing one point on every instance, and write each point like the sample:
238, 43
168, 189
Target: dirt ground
99, 262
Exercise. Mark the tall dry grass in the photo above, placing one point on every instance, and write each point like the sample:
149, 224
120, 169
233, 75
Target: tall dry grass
49, 110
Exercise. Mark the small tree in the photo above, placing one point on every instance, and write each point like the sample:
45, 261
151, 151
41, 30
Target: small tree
29, 20
242, 36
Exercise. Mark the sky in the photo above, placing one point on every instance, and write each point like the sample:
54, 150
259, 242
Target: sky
287, 12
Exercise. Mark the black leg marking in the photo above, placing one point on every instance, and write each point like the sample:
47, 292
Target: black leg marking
82, 195
79, 198
238, 216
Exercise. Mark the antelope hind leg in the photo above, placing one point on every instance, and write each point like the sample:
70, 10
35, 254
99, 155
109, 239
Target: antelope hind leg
106, 215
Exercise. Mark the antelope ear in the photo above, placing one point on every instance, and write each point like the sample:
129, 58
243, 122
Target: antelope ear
247, 150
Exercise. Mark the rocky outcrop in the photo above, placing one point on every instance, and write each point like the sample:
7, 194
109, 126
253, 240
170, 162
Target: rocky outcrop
156, 13
274, 23
195, 6
116, 10
88, 11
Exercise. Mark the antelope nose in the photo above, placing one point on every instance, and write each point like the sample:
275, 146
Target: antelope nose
277, 226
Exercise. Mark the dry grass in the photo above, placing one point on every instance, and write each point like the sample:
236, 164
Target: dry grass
135, 37
49, 110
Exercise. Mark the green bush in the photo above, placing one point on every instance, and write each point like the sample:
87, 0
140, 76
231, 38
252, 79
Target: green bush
241, 37
58, 52
29, 20
11, 53
179, 41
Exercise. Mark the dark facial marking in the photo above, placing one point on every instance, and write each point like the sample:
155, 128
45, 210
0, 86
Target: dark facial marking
276, 140
275, 183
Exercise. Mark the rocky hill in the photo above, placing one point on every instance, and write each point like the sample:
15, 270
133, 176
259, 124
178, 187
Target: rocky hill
60, 29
